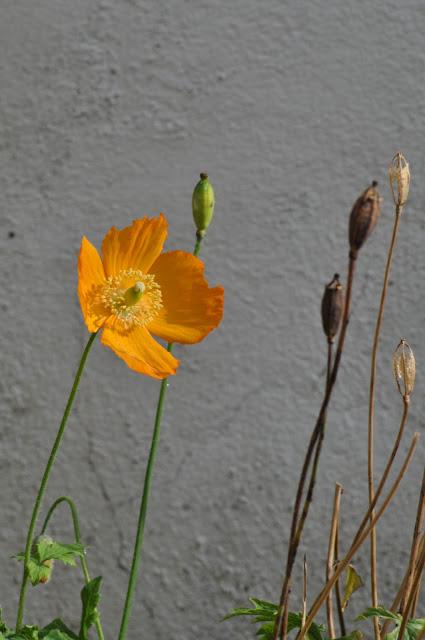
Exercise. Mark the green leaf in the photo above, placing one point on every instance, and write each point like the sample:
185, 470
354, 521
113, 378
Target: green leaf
4, 629
413, 627
90, 596
26, 633
66, 553
55, 634
44, 552
56, 625
265, 612
353, 582
378, 612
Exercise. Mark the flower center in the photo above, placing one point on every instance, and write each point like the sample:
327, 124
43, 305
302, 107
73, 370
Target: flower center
132, 297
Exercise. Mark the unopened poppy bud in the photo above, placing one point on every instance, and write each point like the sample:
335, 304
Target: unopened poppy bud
203, 204
332, 307
363, 218
404, 368
399, 174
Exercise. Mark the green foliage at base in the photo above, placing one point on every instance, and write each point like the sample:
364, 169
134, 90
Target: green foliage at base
57, 629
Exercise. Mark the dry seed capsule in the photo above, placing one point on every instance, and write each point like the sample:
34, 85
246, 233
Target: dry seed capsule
332, 308
203, 204
404, 368
399, 174
363, 218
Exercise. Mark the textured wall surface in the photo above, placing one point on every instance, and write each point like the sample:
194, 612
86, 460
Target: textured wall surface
108, 110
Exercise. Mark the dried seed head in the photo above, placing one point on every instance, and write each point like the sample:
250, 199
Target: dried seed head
332, 307
399, 174
404, 368
203, 204
363, 218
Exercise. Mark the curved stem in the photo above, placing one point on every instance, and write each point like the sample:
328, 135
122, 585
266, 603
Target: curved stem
296, 530
370, 468
45, 478
137, 552
77, 536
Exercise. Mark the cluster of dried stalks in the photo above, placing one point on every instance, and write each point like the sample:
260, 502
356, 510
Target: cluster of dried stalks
336, 305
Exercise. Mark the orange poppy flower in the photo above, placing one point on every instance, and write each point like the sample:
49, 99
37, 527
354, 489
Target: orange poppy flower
134, 291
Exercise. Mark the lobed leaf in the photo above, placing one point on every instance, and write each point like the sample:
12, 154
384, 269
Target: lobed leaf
90, 596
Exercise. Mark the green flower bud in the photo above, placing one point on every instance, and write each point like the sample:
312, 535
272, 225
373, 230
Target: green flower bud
203, 204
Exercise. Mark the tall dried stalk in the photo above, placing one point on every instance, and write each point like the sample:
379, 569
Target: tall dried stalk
281, 623
330, 563
370, 447
414, 588
304, 616
399, 175
362, 534
338, 590
420, 514
404, 588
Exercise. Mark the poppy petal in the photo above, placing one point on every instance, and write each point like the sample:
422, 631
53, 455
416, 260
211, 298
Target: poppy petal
191, 309
134, 247
141, 352
90, 275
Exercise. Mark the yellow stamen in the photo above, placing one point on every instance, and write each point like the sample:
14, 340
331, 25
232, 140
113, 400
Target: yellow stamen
132, 297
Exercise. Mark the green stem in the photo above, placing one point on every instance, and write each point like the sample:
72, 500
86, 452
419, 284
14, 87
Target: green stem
137, 553
198, 243
77, 536
47, 471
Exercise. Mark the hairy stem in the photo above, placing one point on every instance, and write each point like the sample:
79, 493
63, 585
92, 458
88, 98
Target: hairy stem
370, 470
45, 478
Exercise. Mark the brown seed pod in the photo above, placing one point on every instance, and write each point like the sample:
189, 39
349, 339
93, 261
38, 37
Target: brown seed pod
332, 308
404, 368
363, 218
399, 174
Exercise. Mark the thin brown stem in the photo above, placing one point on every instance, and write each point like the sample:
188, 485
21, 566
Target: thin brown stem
337, 587
416, 595
415, 587
373, 550
304, 616
330, 563
420, 513
359, 539
395, 604
390, 461
281, 622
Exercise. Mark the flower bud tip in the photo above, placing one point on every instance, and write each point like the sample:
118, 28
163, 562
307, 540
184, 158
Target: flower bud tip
203, 204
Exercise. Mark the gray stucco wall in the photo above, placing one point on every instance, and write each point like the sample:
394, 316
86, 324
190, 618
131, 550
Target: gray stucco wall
108, 110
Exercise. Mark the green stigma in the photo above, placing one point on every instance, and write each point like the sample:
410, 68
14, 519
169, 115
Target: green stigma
134, 293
